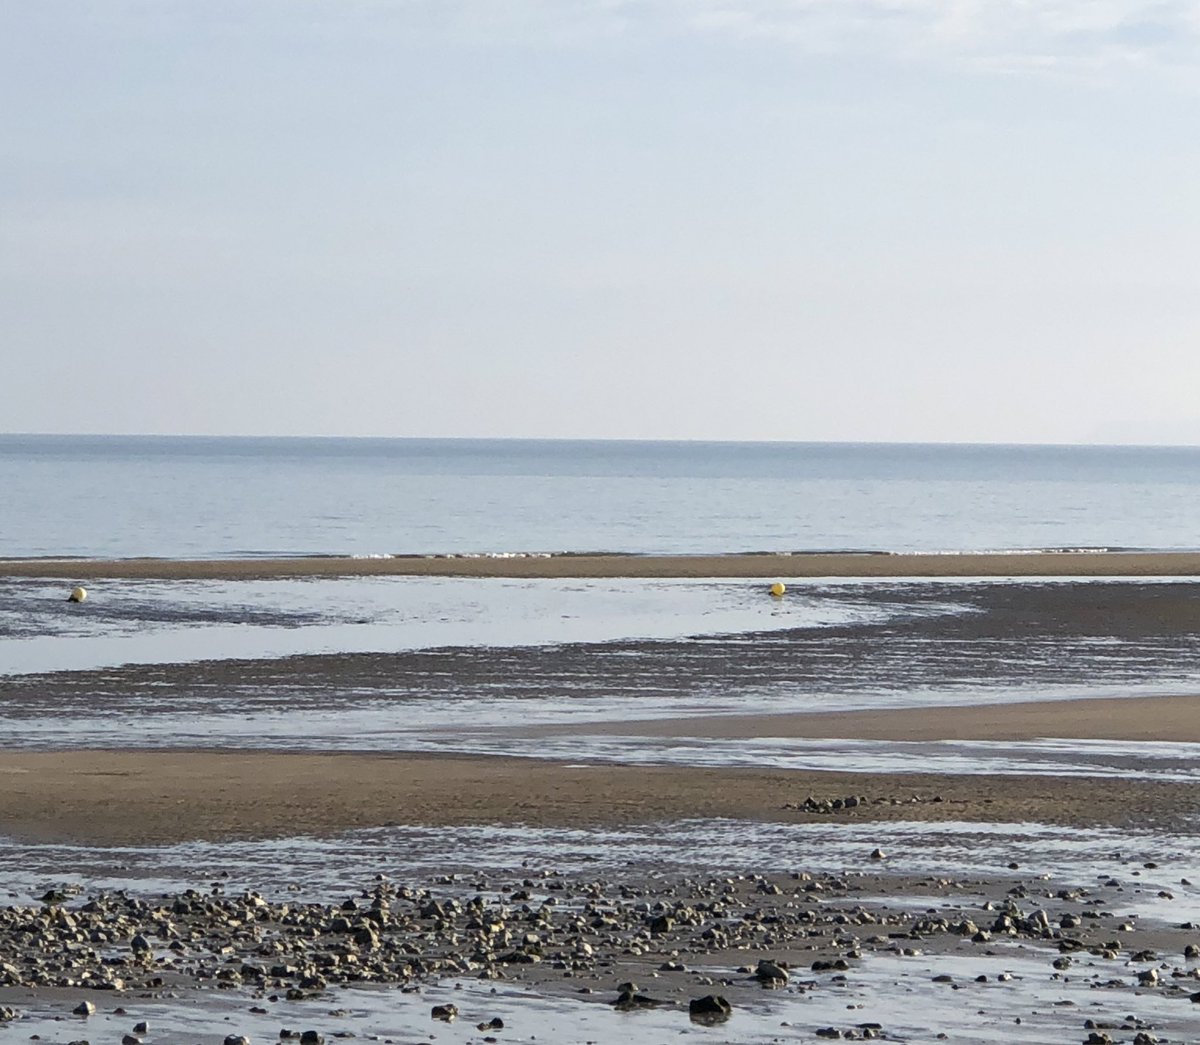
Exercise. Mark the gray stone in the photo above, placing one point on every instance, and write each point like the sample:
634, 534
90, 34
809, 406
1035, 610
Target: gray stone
770, 973
712, 1008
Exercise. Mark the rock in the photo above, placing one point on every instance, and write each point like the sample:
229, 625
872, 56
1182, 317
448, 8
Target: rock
7, 1013
311, 1037
771, 974
445, 1013
495, 1023
1148, 978
141, 1028
828, 1032
131, 1039
366, 938
712, 1008
236, 1039
84, 1008
878, 854
627, 1001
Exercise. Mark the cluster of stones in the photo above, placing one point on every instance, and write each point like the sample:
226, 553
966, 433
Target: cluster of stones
391, 934
825, 806
1098, 1032
395, 934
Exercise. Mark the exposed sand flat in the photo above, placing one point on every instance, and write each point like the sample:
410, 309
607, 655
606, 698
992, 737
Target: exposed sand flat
785, 566
149, 797
1152, 719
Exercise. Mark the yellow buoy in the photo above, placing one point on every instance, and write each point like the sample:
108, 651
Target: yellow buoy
778, 588
78, 595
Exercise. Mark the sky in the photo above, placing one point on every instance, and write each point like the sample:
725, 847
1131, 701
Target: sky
909, 220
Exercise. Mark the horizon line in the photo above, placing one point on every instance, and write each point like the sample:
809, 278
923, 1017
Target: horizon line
600, 439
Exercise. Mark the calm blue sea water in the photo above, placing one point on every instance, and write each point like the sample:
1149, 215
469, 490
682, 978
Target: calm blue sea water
210, 497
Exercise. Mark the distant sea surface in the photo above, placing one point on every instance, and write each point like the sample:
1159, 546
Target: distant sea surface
97, 496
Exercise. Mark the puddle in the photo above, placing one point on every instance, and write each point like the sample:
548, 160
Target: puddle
320, 868
158, 622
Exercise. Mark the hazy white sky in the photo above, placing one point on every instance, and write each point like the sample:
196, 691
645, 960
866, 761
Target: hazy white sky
744, 219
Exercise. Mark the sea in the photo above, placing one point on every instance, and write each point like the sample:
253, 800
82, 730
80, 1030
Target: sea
188, 497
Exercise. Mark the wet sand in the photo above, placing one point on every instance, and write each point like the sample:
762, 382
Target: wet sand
766, 564
1153, 719
156, 797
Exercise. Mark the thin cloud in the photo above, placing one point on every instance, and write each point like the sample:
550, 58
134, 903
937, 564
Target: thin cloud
1022, 36
1000, 34
1083, 36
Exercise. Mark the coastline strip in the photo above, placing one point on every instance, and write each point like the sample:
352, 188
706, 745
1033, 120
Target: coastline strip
783, 566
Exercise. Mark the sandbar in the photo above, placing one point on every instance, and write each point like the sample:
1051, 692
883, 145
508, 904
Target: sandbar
160, 797
763, 565
142, 796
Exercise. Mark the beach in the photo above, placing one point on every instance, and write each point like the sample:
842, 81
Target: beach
853, 803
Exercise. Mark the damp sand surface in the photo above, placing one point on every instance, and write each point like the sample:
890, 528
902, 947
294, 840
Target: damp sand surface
160, 796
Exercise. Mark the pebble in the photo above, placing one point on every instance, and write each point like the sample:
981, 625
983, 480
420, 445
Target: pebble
392, 934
